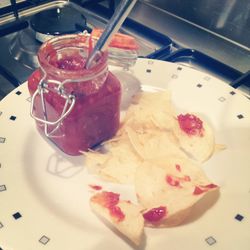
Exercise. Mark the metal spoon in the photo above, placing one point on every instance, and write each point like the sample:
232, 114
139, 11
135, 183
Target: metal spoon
113, 26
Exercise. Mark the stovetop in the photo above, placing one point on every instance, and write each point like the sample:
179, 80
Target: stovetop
18, 49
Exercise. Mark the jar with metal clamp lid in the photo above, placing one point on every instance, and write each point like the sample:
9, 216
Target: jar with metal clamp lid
76, 108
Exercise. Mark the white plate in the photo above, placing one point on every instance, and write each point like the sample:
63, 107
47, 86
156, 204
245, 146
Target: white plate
44, 193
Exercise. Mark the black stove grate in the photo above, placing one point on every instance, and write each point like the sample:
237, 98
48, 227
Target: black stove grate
15, 7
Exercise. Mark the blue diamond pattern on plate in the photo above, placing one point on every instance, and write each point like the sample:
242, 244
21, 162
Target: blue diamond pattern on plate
17, 215
239, 217
13, 118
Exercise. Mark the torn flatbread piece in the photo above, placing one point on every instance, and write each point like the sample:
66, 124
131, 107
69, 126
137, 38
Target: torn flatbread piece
123, 215
168, 189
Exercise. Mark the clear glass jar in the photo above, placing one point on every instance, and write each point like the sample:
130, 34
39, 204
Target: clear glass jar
76, 108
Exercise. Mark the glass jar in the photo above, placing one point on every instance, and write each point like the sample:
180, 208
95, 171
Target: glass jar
76, 108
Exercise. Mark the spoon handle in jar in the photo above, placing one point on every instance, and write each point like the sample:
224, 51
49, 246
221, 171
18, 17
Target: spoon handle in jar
112, 27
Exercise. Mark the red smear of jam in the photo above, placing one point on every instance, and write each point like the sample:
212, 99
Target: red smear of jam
173, 181
178, 167
106, 199
96, 187
110, 200
116, 212
203, 188
198, 190
154, 215
191, 124
211, 185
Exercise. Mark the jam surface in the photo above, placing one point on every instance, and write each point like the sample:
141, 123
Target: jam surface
95, 187
110, 201
178, 167
175, 181
95, 116
155, 215
191, 124
71, 63
203, 188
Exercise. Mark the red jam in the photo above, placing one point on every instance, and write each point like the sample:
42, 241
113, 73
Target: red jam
209, 186
178, 167
71, 63
110, 200
107, 199
95, 116
117, 213
203, 188
175, 181
191, 124
155, 215
96, 187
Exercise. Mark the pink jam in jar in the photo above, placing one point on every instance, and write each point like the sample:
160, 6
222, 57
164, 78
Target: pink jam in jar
76, 108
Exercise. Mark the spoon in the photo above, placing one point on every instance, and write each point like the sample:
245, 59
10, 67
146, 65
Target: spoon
112, 27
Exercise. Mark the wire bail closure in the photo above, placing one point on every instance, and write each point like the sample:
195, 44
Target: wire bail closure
43, 87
